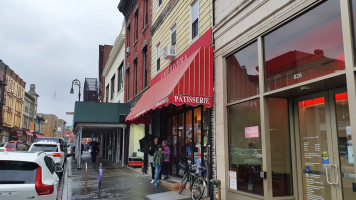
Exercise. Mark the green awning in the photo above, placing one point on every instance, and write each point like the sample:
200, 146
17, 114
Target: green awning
99, 113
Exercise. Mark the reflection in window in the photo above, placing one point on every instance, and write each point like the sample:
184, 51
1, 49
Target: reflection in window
197, 137
245, 146
242, 73
308, 47
280, 147
189, 136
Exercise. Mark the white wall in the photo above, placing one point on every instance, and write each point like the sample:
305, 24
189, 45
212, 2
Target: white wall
116, 58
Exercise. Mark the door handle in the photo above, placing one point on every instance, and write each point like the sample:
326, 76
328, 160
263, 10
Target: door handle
327, 174
336, 174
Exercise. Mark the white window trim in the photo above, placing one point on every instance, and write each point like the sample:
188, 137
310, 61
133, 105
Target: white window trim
159, 6
174, 28
158, 56
192, 40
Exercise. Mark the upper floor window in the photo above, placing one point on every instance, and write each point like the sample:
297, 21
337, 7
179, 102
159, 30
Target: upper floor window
146, 13
195, 19
145, 70
158, 59
107, 94
128, 84
128, 36
112, 87
120, 78
159, 3
174, 35
136, 25
135, 77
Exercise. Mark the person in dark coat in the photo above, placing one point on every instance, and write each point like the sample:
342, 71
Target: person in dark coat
153, 148
94, 151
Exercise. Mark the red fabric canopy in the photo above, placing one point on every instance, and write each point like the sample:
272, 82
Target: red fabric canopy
39, 135
190, 83
29, 133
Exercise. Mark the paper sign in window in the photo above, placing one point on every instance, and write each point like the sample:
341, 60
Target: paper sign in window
251, 132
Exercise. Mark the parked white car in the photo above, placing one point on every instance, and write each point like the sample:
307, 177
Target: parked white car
28, 175
51, 148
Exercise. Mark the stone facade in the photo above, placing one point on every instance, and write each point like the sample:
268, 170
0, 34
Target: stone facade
53, 127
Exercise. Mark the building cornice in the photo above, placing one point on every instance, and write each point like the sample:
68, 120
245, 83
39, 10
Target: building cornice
118, 45
126, 6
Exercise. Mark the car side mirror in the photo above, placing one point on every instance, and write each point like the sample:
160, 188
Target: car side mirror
59, 169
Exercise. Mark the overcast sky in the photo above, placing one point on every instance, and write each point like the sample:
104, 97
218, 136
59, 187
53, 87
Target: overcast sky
52, 42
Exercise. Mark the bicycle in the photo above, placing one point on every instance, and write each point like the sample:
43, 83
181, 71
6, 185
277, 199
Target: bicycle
193, 175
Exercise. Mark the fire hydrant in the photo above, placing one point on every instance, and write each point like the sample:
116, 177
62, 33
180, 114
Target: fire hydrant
218, 186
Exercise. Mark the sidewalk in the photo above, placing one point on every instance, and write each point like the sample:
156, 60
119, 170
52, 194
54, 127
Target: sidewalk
117, 182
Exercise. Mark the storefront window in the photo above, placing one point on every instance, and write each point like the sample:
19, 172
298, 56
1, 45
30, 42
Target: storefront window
181, 146
175, 145
205, 137
242, 73
189, 135
308, 47
197, 137
280, 147
245, 147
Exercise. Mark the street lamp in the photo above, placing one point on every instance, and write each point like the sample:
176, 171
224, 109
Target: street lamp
75, 82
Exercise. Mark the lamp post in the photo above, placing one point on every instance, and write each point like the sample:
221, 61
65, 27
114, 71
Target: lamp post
75, 82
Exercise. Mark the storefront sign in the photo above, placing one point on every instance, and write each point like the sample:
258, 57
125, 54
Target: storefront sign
203, 41
325, 157
233, 180
251, 132
348, 130
350, 154
180, 99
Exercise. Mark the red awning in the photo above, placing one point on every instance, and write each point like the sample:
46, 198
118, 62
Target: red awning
190, 83
28, 133
39, 135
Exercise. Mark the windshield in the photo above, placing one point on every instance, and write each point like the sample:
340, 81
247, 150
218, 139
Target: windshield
11, 145
2, 144
44, 147
17, 172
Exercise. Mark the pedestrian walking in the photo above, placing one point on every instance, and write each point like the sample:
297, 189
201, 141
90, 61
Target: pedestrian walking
167, 153
82, 149
22, 147
153, 148
159, 156
94, 151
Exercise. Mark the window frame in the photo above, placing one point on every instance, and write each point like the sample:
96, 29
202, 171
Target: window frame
135, 76
145, 16
120, 84
136, 25
128, 84
195, 2
159, 4
158, 57
107, 93
174, 31
145, 67
128, 38
112, 85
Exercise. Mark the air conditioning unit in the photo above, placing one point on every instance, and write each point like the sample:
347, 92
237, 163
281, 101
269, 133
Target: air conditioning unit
128, 50
169, 52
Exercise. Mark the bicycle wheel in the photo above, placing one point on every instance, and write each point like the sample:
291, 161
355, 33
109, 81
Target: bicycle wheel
183, 183
198, 188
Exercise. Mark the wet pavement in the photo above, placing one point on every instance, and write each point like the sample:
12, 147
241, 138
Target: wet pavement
117, 182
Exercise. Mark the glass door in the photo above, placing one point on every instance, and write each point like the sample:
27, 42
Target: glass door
324, 148
343, 144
